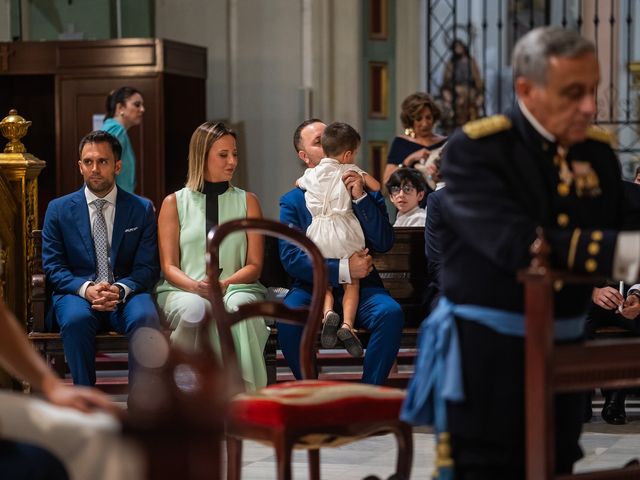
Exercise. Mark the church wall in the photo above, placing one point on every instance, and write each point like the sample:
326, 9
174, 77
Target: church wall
265, 83
204, 23
272, 64
410, 64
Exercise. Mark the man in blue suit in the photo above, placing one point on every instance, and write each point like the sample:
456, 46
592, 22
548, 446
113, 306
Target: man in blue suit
377, 311
100, 256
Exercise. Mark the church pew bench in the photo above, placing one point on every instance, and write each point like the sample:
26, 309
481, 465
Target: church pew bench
403, 271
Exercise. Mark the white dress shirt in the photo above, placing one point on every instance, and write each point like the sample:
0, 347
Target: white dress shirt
416, 217
109, 212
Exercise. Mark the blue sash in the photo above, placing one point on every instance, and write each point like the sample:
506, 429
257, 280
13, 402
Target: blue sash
438, 372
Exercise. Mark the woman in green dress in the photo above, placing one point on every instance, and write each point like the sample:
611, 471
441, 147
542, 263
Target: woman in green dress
208, 199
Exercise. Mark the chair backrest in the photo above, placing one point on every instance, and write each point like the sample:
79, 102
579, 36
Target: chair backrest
310, 317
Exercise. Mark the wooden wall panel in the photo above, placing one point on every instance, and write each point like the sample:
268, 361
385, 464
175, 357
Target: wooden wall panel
82, 56
33, 96
79, 75
80, 98
181, 119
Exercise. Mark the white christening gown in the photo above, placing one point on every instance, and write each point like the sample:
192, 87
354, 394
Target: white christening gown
334, 227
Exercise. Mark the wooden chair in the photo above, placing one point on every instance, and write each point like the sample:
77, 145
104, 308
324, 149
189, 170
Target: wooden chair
552, 369
307, 414
176, 407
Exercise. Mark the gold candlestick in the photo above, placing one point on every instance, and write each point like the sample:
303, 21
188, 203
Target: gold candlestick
13, 127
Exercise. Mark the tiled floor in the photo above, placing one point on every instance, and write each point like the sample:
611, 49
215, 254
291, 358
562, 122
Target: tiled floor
605, 446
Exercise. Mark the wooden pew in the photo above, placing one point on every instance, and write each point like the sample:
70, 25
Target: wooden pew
403, 271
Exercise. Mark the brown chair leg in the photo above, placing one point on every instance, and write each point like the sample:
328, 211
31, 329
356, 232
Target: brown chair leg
234, 458
283, 445
314, 464
404, 436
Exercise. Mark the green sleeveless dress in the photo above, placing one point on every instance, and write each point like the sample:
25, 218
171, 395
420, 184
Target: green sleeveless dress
184, 309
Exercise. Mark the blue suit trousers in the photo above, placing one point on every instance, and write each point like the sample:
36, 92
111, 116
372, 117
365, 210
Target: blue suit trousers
79, 324
377, 312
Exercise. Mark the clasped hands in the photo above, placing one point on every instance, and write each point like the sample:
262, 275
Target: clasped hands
202, 288
103, 296
610, 299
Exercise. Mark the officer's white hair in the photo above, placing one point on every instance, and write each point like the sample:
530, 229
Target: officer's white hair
531, 54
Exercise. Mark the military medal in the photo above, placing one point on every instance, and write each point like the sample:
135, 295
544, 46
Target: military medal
586, 179
564, 172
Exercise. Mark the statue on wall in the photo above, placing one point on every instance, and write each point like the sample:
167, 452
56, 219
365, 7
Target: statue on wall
462, 89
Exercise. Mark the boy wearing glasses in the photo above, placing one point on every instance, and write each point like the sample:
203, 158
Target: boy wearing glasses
406, 187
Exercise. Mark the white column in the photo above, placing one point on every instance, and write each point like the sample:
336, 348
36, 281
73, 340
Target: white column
205, 23
410, 50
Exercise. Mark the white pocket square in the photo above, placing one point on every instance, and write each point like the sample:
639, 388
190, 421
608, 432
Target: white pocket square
132, 229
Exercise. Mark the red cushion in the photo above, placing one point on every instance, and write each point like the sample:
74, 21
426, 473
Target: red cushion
313, 403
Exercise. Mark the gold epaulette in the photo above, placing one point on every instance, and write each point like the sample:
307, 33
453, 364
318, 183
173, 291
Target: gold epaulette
599, 134
486, 126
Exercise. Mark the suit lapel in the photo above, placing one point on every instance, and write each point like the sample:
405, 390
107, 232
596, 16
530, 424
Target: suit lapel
120, 221
80, 215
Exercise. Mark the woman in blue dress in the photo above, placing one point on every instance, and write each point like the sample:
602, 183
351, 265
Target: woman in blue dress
125, 108
419, 114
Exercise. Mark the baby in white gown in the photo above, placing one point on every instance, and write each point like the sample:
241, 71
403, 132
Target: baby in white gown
334, 227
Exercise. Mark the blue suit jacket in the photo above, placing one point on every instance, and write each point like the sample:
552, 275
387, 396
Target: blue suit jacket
378, 234
68, 255
433, 244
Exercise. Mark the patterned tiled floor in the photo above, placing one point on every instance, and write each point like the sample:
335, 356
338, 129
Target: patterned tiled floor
605, 446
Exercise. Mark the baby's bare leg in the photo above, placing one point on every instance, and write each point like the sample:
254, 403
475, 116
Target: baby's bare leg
350, 302
328, 301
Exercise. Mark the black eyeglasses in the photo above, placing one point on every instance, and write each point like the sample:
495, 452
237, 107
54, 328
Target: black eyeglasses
406, 188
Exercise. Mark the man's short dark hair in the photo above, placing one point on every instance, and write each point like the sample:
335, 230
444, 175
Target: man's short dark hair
404, 176
99, 136
338, 138
297, 135
637, 170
